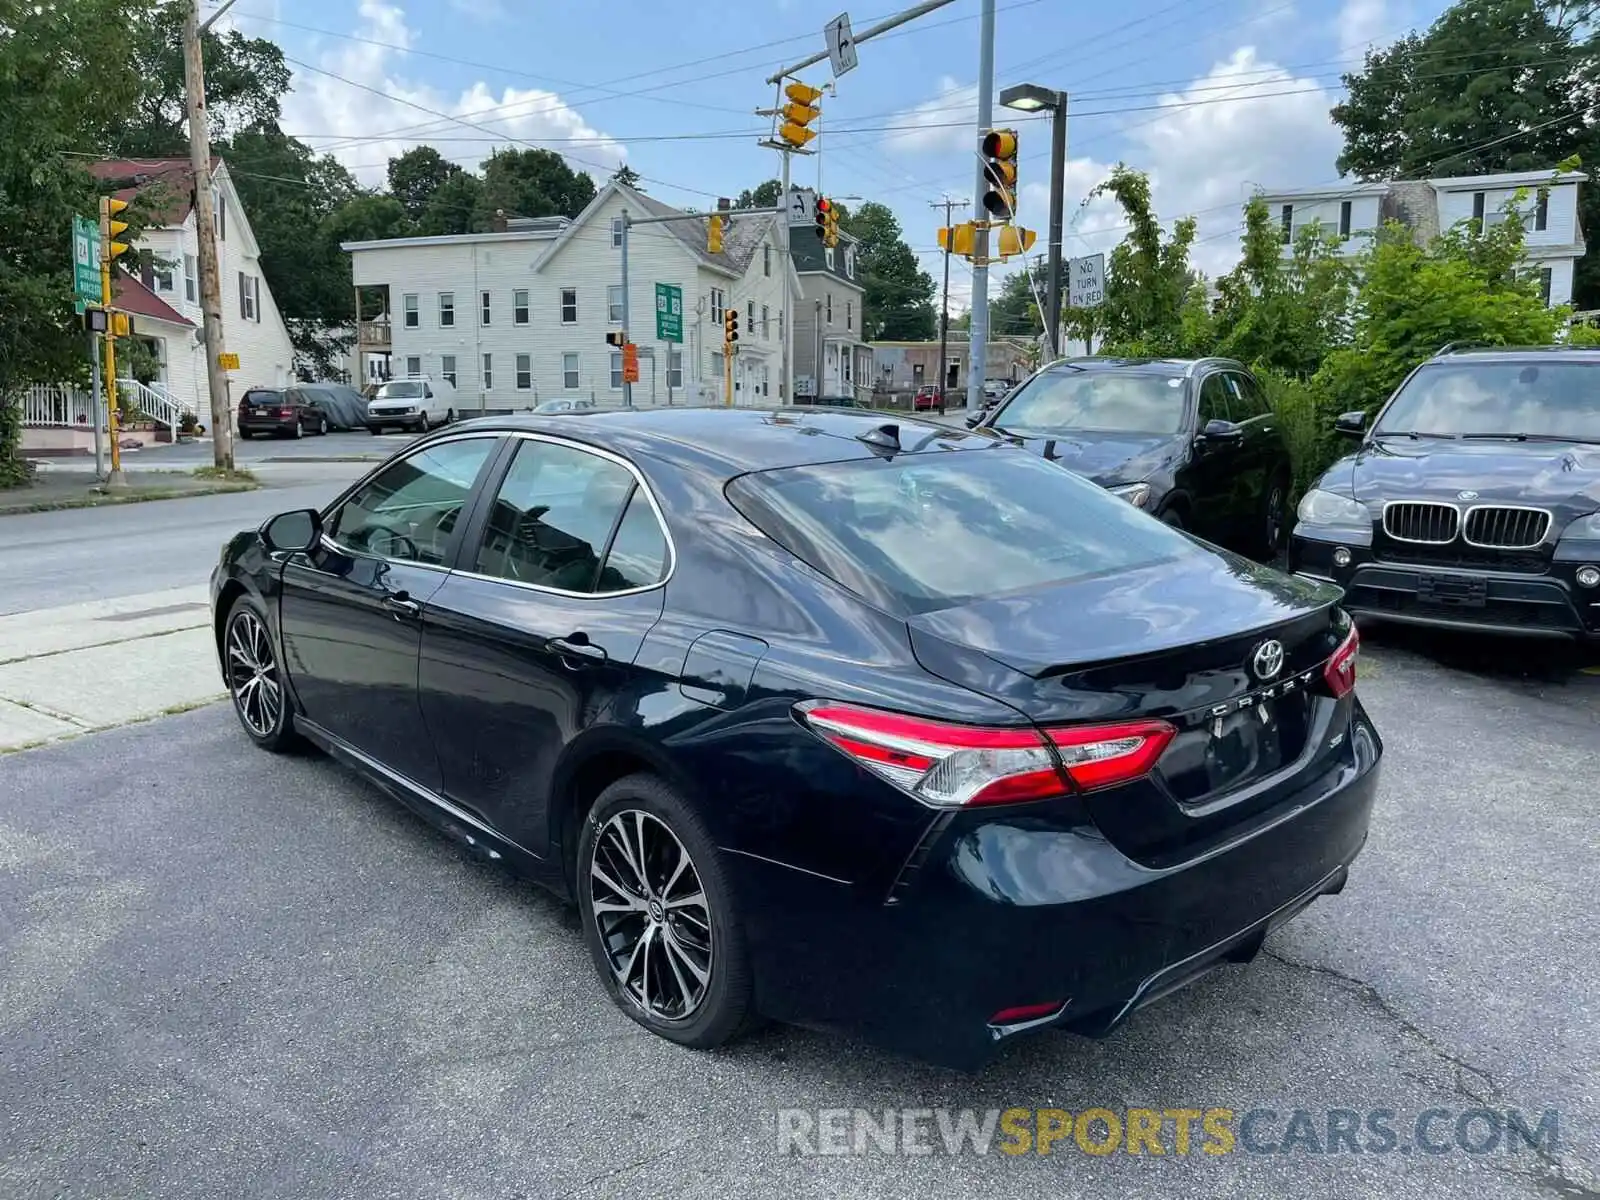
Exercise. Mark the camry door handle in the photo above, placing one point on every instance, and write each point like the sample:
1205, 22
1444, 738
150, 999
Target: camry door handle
578, 646
402, 605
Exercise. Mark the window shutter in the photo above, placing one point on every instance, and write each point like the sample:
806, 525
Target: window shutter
242, 310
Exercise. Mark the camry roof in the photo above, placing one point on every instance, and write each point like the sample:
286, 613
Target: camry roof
732, 441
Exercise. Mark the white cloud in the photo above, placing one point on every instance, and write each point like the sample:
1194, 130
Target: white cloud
384, 125
481, 10
1360, 24
941, 123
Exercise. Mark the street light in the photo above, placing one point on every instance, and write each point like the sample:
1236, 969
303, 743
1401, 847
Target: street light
1032, 98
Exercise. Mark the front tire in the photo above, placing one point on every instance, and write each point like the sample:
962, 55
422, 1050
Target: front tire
659, 916
255, 680
422, 424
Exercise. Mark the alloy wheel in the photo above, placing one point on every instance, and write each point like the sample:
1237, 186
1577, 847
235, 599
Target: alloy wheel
652, 915
253, 674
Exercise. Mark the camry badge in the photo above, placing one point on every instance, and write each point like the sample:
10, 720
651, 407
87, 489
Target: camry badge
1267, 660
1467, 495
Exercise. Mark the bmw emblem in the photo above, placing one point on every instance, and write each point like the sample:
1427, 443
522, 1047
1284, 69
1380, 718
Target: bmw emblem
1467, 495
1267, 660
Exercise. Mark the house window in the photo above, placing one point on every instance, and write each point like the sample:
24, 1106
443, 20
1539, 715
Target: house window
519, 306
616, 232
616, 370
569, 306
569, 371
488, 371
850, 261
718, 304
674, 366
766, 328
750, 317
829, 257
447, 368
849, 314
249, 309
1344, 218
524, 372
1545, 275
1541, 213
1477, 210
830, 308
1286, 220
613, 304
219, 210
447, 310
191, 279
162, 274
413, 367
485, 307
766, 260
412, 312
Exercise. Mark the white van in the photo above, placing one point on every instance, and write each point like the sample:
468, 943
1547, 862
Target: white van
416, 402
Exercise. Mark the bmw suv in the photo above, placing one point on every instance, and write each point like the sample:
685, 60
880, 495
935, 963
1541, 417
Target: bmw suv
1472, 500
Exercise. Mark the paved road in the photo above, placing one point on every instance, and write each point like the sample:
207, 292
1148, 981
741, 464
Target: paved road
54, 558
225, 974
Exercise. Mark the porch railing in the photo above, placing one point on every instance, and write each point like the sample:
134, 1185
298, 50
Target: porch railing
51, 405
155, 402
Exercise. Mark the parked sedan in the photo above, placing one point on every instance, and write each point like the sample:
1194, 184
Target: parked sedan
878, 727
283, 412
928, 398
1191, 441
1473, 500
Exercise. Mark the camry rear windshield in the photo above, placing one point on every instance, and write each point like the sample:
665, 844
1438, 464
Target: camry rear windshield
1095, 402
922, 532
1499, 400
400, 391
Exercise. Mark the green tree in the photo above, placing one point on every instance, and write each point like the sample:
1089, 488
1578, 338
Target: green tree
531, 183
763, 195
52, 96
897, 304
1493, 85
628, 177
416, 176
453, 207
1013, 312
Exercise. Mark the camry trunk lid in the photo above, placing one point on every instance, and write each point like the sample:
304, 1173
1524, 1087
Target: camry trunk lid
1229, 653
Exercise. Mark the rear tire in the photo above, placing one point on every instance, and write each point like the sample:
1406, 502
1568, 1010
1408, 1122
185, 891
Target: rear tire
666, 939
299, 429
1274, 519
322, 426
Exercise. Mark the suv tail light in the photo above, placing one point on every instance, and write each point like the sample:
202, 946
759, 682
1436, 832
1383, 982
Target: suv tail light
286, 412
1339, 673
955, 766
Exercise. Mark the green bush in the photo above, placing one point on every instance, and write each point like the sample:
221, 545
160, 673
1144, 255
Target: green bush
1305, 415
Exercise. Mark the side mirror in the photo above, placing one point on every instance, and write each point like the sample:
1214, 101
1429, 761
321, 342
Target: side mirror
1217, 430
1351, 424
297, 531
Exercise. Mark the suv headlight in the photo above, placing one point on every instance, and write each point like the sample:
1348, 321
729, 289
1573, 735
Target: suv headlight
1318, 507
1136, 494
1584, 528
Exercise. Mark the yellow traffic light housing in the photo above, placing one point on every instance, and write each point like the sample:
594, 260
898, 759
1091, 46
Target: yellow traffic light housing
616, 337
110, 227
730, 325
714, 235
958, 239
1014, 240
999, 149
830, 226
798, 114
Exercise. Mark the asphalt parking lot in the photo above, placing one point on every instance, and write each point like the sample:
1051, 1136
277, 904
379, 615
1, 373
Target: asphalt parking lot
224, 974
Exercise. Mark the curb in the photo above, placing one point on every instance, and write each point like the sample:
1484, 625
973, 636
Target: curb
105, 499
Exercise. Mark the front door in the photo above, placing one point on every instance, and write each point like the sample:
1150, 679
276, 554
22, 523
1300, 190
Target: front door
1214, 484
351, 610
533, 640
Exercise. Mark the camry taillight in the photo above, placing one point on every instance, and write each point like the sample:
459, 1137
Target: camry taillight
1340, 671
952, 766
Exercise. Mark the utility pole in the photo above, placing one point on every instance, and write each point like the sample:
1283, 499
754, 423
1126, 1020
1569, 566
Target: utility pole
627, 387
206, 231
978, 354
785, 317
944, 306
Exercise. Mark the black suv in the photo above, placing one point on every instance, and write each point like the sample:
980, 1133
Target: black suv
1192, 441
1474, 499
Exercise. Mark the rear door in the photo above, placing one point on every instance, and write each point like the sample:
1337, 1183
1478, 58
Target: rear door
1258, 456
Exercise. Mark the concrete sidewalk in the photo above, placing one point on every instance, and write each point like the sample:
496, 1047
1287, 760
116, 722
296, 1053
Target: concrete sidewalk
77, 487
82, 667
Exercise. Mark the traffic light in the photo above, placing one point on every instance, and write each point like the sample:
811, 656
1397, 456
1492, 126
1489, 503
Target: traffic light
824, 208
616, 338
830, 224
798, 113
958, 239
714, 235
1014, 240
110, 227
999, 150
730, 325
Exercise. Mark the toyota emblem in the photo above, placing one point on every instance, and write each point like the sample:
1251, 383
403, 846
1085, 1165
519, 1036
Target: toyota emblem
1267, 660
1467, 495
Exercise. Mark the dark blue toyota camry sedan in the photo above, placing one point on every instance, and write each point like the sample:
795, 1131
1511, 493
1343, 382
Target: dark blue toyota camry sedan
869, 725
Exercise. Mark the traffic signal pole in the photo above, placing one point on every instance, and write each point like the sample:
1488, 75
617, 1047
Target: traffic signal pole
627, 387
978, 353
194, 87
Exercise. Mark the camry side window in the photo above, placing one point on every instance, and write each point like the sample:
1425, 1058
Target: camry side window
553, 517
1245, 400
1213, 400
638, 556
410, 509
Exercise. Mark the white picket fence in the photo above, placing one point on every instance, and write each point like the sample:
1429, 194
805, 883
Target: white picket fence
47, 406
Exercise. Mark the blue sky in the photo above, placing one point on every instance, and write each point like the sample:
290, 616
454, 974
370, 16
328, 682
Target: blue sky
1210, 96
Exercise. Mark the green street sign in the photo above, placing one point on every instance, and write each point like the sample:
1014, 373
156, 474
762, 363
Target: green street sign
669, 313
86, 260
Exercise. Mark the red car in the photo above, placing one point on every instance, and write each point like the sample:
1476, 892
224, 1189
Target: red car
928, 397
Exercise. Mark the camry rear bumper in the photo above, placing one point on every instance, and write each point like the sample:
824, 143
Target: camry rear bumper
1033, 911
